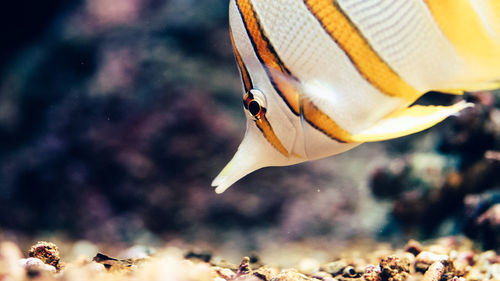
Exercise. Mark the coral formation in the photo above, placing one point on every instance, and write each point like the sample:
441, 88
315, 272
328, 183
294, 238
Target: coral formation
47, 252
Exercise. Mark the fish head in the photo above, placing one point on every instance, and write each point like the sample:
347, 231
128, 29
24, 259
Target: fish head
277, 134
269, 139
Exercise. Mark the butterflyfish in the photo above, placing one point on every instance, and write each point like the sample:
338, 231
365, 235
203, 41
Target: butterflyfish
323, 76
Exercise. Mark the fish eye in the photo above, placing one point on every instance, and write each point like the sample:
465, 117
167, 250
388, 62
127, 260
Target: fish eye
254, 107
254, 101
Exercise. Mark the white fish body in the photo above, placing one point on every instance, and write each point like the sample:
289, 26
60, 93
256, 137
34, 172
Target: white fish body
322, 76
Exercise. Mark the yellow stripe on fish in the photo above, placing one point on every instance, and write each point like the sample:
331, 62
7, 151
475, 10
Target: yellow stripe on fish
267, 54
260, 118
245, 77
258, 112
267, 130
324, 123
367, 61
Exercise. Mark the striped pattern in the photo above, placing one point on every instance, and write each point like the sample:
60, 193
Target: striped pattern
322, 122
245, 76
268, 132
280, 77
261, 123
406, 36
326, 74
369, 64
268, 56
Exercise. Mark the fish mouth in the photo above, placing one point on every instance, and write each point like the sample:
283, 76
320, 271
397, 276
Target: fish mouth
254, 152
245, 160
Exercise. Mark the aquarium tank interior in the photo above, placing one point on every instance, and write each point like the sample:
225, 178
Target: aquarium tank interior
116, 115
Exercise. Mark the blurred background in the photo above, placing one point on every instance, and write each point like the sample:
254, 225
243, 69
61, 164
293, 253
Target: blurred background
115, 116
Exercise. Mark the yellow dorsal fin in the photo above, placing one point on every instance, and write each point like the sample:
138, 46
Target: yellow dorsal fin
408, 121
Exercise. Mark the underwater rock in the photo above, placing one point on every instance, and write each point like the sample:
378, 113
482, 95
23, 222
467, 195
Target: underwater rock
372, 273
387, 182
490, 221
463, 261
321, 275
414, 247
394, 268
36, 267
47, 252
428, 189
245, 273
115, 264
265, 273
482, 218
434, 272
224, 273
426, 259
350, 272
334, 268
244, 266
290, 275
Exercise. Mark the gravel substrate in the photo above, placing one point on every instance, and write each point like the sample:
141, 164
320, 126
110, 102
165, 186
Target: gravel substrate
449, 258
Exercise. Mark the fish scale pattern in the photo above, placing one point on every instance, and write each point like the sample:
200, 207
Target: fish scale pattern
405, 35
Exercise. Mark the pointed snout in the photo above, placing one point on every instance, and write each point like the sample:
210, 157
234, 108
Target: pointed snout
254, 153
247, 159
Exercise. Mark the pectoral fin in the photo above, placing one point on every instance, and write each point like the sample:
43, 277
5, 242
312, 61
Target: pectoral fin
408, 121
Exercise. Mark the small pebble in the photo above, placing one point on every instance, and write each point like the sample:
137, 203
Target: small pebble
95, 267
425, 259
334, 268
34, 264
290, 275
372, 273
413, 247
350, 272
394, 268
434, 272
244, 267
265, 273
225, 273
47, 252
321, 275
